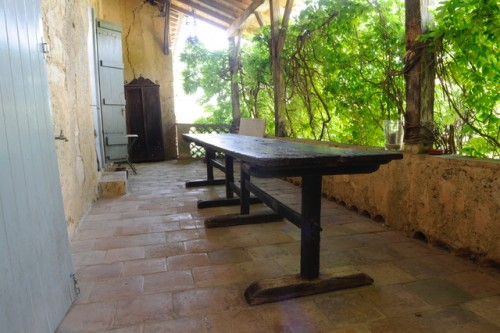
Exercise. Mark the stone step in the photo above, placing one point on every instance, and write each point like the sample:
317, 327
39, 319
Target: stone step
113, 183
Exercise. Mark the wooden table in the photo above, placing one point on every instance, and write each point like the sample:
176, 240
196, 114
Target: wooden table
271, 158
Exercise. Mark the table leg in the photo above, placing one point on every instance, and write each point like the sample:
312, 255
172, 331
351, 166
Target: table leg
309, 281
210, 155
244, 193
229, 164
210, 181
244, 217
310, 227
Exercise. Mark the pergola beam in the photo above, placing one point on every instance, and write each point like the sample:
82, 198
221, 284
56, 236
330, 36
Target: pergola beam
235, 25
198, 17
166, 28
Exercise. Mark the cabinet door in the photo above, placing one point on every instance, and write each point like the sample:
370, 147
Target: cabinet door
153, 124
135, 124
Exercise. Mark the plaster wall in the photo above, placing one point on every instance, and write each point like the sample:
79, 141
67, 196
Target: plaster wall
65, 25
143, 55
453, 202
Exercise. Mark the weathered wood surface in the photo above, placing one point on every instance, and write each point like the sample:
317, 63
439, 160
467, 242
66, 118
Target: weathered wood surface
273, 154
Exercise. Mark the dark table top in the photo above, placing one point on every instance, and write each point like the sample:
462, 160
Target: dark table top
278, 154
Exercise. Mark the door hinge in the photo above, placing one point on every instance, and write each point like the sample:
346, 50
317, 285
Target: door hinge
44, 46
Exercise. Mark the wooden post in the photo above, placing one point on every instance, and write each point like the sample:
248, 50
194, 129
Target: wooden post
419, 76
278, 35
234, 65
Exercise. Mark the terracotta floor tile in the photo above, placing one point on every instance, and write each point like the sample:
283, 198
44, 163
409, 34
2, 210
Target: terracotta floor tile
184, 325
168, 281
182, 235
386, 273
247, 321
94, 233
130, 329
394, 300
262, 269
124, 254
266, 251
203, 245
458, 320
144, 266
438, 292
88, 258
488, 308
295, 316
207, 301
115, 289
88, 318
475, 283
425, 267
99, 272
82, 246
217, 275
412, 248
148, 265
411, 323
132, 230
339, 243
350, 329
164, 250
343, 309
229, 256
143, 309
366, 226
129, 241
185, 261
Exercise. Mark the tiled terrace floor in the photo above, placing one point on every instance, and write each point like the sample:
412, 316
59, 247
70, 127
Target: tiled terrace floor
145, 263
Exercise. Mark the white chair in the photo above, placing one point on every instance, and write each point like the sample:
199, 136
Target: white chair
252, 127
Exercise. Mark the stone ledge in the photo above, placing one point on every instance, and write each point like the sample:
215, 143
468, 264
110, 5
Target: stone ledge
113, 184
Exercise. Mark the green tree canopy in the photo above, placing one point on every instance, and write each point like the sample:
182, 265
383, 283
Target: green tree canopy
344, 63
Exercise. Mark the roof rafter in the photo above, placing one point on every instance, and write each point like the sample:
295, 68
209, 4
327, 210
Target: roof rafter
234, 27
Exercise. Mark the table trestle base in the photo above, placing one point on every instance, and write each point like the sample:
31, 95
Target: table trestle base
293, 286
205, 182
230, 220
223, 202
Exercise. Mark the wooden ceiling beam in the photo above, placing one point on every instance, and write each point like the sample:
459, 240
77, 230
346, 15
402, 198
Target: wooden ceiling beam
209, 11
188, 12
232, 8
235, 26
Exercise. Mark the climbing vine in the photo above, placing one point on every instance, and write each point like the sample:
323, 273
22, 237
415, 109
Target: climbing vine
344, 65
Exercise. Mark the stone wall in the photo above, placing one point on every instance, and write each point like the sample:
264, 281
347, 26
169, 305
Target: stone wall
143, 55
449, 201
65, 25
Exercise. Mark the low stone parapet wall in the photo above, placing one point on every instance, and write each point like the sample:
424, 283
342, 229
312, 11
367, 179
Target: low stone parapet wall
450, 201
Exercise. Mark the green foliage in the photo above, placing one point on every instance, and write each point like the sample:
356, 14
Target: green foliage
345, 70
466, 41
208, 72
344, 62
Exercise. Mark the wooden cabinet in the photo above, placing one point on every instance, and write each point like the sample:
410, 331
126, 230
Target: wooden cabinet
144, 119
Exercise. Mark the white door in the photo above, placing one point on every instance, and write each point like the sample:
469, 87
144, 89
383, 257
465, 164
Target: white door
36, 288
112, 91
